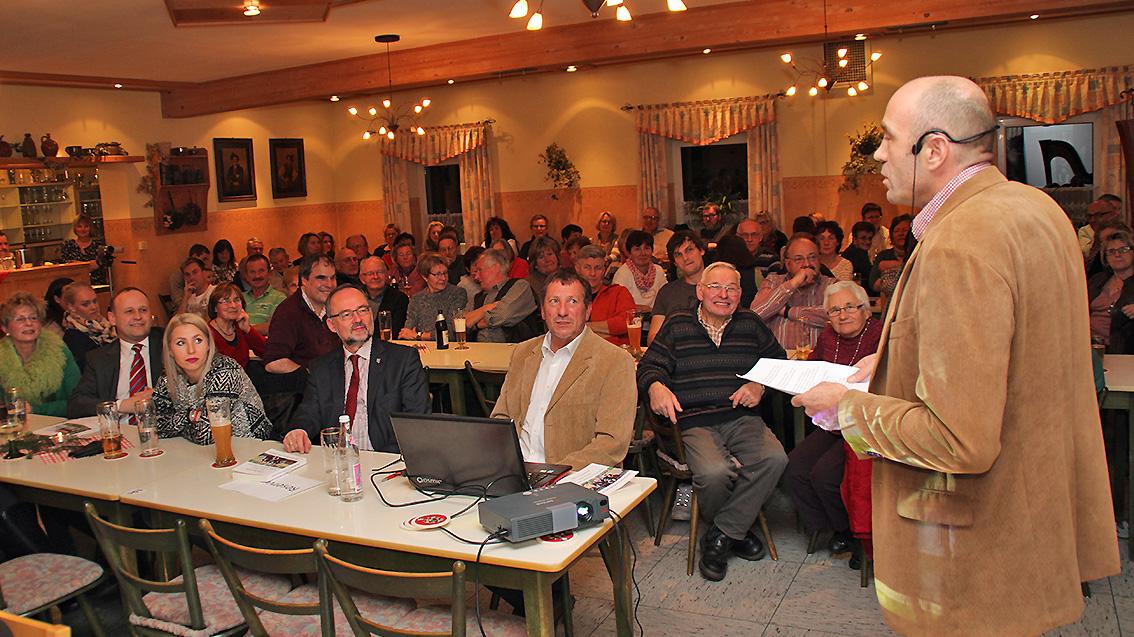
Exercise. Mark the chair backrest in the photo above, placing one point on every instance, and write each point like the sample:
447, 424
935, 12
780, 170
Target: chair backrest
667, 432
291, 562
481, 381
28, 627
112, 538
342, 576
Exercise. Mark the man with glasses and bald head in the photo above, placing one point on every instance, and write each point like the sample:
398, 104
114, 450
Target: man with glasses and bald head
792, 304
347, 380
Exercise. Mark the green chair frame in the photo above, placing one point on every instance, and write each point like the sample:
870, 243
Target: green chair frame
480, 379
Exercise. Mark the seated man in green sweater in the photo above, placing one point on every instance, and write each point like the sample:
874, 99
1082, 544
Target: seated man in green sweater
690, 374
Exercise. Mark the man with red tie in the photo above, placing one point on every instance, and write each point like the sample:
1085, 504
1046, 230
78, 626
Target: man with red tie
124, 370
364, 379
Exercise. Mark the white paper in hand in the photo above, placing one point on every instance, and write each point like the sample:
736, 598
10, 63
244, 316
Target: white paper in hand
797, 377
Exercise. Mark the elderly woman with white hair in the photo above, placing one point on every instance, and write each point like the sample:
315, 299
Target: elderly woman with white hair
814, 475
194, 372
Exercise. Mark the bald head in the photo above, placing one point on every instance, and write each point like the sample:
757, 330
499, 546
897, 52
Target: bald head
955, 105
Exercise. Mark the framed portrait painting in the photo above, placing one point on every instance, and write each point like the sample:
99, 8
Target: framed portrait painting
236, 177
289, 172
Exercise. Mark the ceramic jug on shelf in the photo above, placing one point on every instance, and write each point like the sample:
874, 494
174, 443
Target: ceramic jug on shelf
5, 148
49, 146
27, 147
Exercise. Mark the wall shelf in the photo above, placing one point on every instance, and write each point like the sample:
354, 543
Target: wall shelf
67, 162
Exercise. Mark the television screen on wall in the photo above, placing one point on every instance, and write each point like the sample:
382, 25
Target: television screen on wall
1050, 156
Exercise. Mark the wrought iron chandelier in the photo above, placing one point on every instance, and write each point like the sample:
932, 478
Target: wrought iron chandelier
844, 64
621, 12
391, 118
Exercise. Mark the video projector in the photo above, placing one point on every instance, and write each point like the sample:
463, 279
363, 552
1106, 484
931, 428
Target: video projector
530, 514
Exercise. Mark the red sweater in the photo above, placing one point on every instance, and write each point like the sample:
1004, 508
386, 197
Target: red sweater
610, 304
238, 351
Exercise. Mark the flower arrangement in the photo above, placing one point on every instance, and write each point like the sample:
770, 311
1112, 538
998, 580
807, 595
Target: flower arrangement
561, 172
862, 160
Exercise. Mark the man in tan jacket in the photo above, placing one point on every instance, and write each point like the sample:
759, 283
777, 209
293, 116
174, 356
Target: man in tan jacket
570, 391
991, 500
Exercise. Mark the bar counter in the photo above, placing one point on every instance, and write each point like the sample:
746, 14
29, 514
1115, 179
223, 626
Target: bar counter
35, 280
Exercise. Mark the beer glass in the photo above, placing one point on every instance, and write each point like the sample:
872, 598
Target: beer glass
108, 428
17, 412
329, 439
459, 328
385, 326
147, 429
220, 421
634, 331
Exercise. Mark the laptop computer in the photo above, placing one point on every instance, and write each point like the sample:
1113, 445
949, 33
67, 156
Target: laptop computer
470, 456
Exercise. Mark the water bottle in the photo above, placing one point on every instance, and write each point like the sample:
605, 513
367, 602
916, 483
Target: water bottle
348, 467
441, 332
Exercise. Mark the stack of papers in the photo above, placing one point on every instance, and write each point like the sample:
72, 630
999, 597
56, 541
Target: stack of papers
797, 377
597, 477
268, 465
80, 427
274, 489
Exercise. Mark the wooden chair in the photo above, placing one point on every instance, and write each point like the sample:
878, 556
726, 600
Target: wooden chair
480, 381
196, 600
674, 468
303, 610
344, 577
642, 449
32, 584
26, 627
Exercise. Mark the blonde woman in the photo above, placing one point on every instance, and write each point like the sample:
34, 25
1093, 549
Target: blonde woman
195, 371
34, 360
606, 233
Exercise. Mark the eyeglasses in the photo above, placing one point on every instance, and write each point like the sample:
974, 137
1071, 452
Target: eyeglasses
349, 315
720, 288
650, 218
444, 273
229, 300
1114, 252
25, 319
804, 259
835, 311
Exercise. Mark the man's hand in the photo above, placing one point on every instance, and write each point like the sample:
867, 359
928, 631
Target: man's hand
281, 366
132, 405
748, 395
664, 402
820, 398
296, 440
803, 278
1128, 310
865, 367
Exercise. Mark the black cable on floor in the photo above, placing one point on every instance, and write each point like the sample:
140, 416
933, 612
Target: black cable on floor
633, 564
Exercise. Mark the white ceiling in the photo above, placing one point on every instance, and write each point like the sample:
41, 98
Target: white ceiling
135, 38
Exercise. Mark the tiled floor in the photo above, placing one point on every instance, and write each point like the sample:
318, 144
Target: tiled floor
798, 595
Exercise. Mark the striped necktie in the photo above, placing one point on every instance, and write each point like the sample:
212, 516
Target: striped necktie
138, 380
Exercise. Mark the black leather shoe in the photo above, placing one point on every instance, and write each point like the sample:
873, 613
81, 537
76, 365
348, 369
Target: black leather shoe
856, 558
750, 548
841, 542
715, 549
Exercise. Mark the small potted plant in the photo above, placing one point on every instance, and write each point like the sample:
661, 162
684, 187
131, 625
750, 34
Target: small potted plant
561, 172
862, 160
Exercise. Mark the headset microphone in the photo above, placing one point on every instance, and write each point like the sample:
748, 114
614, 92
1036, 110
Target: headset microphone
916, 150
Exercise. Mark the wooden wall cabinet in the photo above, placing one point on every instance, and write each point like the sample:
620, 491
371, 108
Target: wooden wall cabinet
181, 193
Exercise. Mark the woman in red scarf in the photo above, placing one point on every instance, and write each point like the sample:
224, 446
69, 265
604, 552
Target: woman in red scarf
639, 273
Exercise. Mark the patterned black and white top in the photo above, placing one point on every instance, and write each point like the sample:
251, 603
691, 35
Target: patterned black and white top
182, 412
72, 252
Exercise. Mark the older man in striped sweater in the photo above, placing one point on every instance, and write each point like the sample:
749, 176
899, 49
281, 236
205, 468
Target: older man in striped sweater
690, 374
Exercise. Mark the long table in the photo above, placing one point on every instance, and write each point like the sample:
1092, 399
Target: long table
181, 483
447, 366
1120, 395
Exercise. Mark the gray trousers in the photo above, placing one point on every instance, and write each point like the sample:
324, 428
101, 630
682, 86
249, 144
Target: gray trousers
729, 497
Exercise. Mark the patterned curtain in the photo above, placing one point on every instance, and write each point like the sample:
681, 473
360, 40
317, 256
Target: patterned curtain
1055, 97
1110, 165
653, 162
763, 170
703, 123
468, 142
476, 191
396, 190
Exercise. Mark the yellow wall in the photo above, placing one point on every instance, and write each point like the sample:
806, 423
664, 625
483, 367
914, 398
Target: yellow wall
579, 111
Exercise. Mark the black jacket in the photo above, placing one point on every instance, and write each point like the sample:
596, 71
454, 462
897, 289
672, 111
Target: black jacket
100, 377
396, 382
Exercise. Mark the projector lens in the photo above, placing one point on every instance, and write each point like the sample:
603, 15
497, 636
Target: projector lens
584, 511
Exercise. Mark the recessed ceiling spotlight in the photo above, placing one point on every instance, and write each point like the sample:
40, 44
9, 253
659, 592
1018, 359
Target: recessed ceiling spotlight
116, 85
451, 81
252, 8
334, 98
860, 36
572, 68
707, 51
1034, 16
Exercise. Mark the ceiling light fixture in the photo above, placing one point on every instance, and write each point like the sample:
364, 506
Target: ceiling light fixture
116, 85
252, 8
621, 13
572, 68
386, 123
1034, 16
451, 81
334, 98
833, 69
706, 51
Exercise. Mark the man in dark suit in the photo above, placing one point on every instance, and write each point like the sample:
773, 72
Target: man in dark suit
364, 379
125, 370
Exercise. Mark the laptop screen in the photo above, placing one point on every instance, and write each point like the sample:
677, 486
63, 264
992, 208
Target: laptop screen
459, 454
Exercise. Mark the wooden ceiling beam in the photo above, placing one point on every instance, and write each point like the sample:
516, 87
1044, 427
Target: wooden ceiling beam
740, 25
89, 81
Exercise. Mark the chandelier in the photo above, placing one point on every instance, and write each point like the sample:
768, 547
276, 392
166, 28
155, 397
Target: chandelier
621, 13
844, 64
388, 121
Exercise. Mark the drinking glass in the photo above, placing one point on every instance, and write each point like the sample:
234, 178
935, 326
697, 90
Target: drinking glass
803, 351
17, 411
385, 325
147, 429
634, 331
459, 328
220, 421
109, 430
330, 439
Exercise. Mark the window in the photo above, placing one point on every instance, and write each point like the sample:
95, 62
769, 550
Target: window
443, 195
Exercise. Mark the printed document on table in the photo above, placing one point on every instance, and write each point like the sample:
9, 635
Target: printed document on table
796, 377
275, 489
